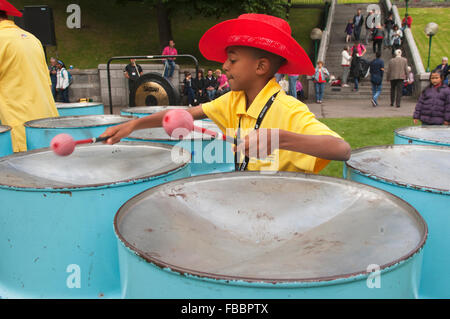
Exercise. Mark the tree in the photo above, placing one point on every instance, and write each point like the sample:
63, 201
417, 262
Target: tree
166, 8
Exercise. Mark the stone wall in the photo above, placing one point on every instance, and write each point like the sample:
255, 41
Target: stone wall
86, 84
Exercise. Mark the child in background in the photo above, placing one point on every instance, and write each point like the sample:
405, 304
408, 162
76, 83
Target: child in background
433, 107
253, 48
349, 31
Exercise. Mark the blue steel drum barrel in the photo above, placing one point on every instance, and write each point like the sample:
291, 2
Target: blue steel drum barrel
209, 155
40, 132
420, 175
5, 140
286, 235
56, 229
82, 108
423, 135
141, 111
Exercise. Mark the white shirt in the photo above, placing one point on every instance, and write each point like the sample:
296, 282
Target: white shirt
62, 82
346, 58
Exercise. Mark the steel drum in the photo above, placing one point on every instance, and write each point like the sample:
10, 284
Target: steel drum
40, 132
208, 155
56, 229
423, 135
421, 176
286, 235
141, 111
5, 140
82, 108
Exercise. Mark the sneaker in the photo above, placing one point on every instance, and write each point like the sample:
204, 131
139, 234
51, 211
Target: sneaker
392, 104
345, 85
397, 106
373, 103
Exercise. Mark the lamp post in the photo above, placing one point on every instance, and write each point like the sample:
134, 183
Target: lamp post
316, 35
406, 2
430, 30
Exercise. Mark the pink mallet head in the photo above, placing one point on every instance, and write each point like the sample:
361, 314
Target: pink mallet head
62, 144
178, 123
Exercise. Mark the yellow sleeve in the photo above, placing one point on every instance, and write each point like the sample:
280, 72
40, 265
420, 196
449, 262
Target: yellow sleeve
307, 124
219, 111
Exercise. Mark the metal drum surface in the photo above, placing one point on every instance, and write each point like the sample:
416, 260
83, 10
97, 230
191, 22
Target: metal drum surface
421, 176
56, 229
286, 235
141, 111
40, 132
5, 140
423, 135
82, 108
208, 155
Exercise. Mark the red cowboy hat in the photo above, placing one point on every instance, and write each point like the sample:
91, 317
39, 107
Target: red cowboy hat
9, 9
259, 31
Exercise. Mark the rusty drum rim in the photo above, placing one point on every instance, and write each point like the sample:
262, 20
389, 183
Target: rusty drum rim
5, 129
35, 123
400, 132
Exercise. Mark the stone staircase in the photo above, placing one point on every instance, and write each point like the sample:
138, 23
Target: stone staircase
344, 12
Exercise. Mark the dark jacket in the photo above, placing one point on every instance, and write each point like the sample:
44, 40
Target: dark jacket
211, 82
355, 66
198, 84
376, 72
361, 21
433, 107
378, 34
445, 71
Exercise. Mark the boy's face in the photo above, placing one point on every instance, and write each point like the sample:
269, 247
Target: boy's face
435, 78
240, 67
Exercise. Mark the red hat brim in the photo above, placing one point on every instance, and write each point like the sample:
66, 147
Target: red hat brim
9, 9
257, 34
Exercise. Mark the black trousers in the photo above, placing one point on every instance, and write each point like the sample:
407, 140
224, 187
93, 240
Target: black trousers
396, 91
377, 42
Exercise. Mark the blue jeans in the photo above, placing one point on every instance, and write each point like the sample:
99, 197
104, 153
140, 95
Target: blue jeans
169, 67
292, 85
376, 91
356, 83
211, 94
319, 90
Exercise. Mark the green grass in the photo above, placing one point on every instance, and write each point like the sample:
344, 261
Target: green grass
440, 45
360, 132
339, 1
131, 29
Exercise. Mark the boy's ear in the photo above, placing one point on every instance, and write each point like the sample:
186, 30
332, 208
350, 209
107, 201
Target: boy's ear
263, 66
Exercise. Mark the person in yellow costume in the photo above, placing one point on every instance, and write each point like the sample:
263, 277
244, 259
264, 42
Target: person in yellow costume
25, 86
253, 48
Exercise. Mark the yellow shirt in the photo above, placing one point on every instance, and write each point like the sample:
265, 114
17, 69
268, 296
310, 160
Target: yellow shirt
25, 85
286, 113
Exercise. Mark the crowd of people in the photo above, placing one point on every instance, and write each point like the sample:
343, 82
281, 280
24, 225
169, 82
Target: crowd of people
202, 89
61, 80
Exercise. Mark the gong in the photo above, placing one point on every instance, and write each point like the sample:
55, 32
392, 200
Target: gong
152, 89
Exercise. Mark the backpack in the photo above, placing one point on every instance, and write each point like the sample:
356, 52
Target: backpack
69, 75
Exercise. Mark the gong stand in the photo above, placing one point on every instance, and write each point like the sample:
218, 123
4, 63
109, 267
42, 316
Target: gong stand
142, 57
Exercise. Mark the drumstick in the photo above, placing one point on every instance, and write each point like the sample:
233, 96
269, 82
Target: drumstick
183, 121
64, 144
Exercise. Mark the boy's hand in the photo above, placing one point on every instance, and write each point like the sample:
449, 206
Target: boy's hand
259, 143
118, 132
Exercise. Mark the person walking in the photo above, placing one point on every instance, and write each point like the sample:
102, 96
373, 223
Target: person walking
169, 63
62, 81
345, 63
369, 26
396, 73
408, 83
292, 79
132, 72
376, 77
349, 31
355, 69
396, 39
358, 21
319, 79
378, 36
25, 85
388, 26
433, 107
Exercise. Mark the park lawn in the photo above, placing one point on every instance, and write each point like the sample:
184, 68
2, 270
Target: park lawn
130, 29
440, 44
339, 1
360, 132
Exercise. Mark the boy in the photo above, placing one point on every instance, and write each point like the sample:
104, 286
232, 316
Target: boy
252, 49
